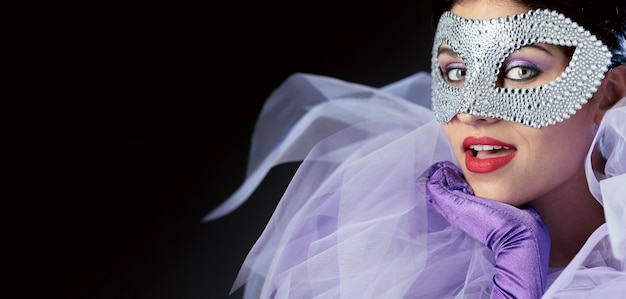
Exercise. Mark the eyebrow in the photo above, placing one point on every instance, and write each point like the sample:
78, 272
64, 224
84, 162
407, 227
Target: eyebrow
540, 48
447, 51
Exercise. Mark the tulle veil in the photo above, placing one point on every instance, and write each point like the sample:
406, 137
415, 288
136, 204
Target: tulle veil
353, 222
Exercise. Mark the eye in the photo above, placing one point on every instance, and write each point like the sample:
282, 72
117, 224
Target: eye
521, 73
455, 74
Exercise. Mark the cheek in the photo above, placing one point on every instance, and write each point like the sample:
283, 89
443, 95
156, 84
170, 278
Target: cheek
560, 150
455, 139
570, 136
448, 131
453, 136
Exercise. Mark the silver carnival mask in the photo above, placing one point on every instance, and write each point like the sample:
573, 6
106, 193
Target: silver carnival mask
484, 45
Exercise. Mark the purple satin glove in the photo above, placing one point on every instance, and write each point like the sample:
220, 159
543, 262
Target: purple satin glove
517, 236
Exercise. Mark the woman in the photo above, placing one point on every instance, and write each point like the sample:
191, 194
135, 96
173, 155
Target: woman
512, 188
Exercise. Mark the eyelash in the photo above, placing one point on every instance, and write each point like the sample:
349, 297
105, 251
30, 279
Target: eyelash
446, 71
532, 70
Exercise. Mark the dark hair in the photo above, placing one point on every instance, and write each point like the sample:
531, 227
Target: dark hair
606, 19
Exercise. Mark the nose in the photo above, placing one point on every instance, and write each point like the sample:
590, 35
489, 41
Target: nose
472, 120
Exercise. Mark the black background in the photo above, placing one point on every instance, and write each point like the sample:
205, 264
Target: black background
125, 122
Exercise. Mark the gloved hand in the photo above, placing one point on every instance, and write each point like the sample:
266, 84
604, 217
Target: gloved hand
517, 236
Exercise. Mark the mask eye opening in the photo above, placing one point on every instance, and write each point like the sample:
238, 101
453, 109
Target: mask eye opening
517, 73
451, 66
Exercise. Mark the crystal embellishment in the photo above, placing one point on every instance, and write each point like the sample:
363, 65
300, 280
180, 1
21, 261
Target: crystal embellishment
485, 44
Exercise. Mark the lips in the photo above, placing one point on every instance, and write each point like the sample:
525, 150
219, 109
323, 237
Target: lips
484, 154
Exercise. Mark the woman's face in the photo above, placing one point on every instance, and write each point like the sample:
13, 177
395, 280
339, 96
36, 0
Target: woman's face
508, 161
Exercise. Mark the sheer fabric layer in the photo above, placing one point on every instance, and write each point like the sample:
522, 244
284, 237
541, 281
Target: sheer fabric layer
353, 222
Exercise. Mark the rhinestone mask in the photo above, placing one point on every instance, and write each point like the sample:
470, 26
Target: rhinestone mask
484, 45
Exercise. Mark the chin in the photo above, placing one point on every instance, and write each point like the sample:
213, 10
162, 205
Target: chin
499, 194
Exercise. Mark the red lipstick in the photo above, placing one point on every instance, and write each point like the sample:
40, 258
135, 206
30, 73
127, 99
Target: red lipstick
485, 154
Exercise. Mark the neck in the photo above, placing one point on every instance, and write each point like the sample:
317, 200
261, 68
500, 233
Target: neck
571, 215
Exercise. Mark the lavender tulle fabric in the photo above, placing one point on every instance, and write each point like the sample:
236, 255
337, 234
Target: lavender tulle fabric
353, 222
